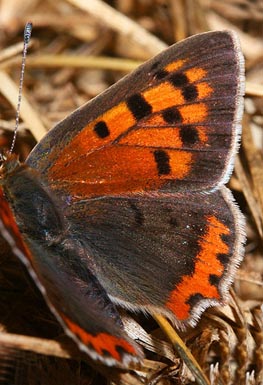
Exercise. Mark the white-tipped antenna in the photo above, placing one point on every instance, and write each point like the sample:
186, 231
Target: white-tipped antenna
27, 36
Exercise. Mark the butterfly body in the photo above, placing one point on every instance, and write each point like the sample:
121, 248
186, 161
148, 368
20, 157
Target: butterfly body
123, 202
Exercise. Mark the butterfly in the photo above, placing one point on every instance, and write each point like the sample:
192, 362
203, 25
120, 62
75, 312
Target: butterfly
123, 203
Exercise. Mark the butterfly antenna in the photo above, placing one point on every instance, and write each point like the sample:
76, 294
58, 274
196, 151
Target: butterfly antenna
27, 36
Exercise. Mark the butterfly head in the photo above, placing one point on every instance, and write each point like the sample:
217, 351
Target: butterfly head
8, 164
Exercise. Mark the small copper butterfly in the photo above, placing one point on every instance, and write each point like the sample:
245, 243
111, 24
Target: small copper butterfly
123, 203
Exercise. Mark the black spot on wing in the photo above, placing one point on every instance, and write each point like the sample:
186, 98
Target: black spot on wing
189, 135
106, 354
223, 259
101, 129
172, 115
161, 74
179, 79
120, 350
226, 238
214, 280
190, 92
162, 160
138, 215
138, 106
194, 299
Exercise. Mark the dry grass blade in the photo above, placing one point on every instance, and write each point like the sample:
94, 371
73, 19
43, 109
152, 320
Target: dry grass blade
182, 350
9, 89
255, 164
10, 52
123, 25
254, 89
107, 63
248, 192
37, 345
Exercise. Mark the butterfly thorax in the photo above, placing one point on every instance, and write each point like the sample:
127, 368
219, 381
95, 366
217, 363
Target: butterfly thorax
37, 213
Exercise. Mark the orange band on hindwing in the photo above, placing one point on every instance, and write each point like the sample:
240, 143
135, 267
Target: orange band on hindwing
207, 265
102, 343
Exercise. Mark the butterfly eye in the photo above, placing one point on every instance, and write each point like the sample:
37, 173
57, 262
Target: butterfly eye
3, 158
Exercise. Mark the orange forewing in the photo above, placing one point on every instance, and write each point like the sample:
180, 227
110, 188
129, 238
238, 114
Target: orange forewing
101, 166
